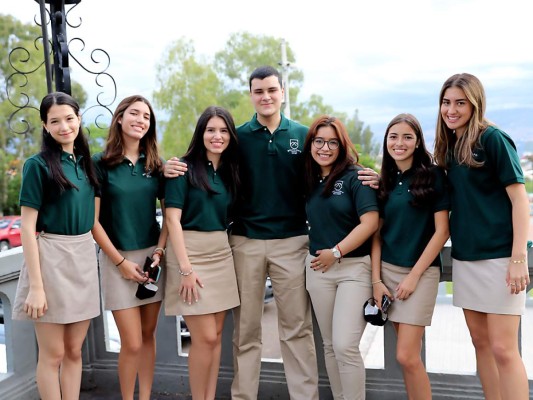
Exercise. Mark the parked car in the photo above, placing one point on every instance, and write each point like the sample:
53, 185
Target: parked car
10, 232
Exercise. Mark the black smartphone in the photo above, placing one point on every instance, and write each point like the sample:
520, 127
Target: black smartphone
385, 303
153, 272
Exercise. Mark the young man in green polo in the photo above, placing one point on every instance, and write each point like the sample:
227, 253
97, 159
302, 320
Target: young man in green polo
269, 237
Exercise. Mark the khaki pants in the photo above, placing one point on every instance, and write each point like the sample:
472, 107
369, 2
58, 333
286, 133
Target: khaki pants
283, 260
338, 296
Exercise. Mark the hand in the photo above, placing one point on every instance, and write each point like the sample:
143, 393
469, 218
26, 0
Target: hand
174, 168
369, 177
35, 305
323, 261
378, 290
407, 286
132, 271
189, 288
517, 277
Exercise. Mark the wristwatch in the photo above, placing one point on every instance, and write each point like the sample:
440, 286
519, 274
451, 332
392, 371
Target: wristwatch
336, 252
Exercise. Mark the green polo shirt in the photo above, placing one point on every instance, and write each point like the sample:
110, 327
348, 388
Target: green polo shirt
481, 224
201, 211
271, 166
68, 213
332, 218
406, 229
128, 203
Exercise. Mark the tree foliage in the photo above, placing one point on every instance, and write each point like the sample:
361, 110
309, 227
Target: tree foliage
188, 83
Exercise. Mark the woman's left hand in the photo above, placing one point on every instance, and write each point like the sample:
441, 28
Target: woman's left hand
517, 276
407, 286
323, 261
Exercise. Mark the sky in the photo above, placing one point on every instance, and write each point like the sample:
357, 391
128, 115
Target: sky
378, 57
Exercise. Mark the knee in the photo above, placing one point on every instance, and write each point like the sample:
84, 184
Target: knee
131, 346
208, 341
72, 352
148, 335
407, 360
503, 354
480, 340
52, 359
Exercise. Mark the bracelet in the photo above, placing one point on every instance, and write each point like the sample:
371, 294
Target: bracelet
378, 281
123, 258
522, 261
185, 273
339, 248
159, 249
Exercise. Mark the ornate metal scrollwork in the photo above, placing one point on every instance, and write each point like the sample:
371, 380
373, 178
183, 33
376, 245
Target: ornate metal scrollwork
61, 49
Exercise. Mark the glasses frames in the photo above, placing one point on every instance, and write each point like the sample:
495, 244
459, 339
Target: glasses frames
333, 144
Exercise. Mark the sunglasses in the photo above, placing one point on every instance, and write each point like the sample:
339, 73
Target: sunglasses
373, 314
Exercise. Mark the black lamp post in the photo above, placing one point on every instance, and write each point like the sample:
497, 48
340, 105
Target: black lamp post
58, 23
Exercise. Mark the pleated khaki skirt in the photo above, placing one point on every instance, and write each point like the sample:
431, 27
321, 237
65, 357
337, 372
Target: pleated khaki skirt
211, 258
119, 293
481, 286
70, 278
419, 306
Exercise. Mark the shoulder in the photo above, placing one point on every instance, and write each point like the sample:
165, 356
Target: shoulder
35, 161
494, 135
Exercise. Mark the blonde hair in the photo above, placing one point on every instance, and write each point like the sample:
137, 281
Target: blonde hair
445, 138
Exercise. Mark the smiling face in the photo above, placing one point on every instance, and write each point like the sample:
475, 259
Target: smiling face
456, 110
325, 157
266, 95
63, 124
135, 121
401, 144
216, 138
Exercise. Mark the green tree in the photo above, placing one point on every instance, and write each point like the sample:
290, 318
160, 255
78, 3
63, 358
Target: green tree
188, 83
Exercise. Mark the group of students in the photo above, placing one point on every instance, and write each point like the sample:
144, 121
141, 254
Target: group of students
300, 209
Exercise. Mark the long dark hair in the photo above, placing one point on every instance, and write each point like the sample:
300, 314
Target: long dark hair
196, 156
51, 150
114, 149
422, 185
348, 156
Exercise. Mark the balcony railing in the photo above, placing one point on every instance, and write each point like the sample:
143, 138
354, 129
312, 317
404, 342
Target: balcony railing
384, 382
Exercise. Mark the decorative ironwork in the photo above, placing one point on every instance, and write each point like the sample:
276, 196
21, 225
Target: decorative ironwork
59, 72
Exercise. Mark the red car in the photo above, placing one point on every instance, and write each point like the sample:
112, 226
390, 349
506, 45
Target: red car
10, 232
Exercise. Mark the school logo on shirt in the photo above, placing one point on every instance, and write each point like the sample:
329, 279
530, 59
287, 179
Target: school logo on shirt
337, 188
148, 174
293, 143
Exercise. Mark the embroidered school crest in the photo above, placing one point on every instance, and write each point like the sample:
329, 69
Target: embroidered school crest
293, 143
337, 188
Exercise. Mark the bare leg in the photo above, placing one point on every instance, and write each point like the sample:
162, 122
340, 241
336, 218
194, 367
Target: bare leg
486, 364
503, 333
408, 350
149, 315
129, 327
70, 376
51, 353
204, 341
215, 365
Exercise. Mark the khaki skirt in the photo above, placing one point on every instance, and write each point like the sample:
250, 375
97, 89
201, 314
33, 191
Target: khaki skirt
119, 293
419, 306
70, 278
211, 258
480, 286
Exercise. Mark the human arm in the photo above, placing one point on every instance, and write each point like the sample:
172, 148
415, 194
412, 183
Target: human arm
159, 251
442, 232
174, 168
190, 281
517, 271
369, 177
35, 304
128, 269
368, 225
378, 287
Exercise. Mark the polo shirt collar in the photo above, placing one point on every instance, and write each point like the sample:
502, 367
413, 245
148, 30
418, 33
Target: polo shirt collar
255, 125
67, 156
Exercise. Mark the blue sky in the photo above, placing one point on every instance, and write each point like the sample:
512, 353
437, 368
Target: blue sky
379, 57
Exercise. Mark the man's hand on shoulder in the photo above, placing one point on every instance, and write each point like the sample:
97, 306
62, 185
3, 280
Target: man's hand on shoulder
369, 177
174, 168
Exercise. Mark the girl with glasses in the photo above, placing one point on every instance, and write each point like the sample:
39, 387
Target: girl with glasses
342, 214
